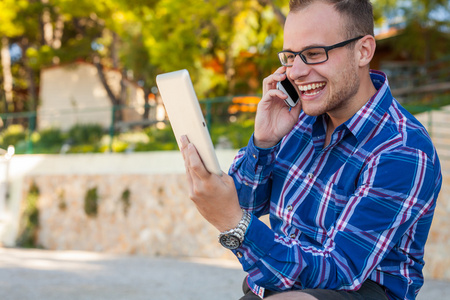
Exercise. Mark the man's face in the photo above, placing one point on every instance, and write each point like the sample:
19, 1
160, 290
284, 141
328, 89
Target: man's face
328, 87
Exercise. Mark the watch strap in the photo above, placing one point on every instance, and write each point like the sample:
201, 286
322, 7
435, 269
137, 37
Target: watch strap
236, 233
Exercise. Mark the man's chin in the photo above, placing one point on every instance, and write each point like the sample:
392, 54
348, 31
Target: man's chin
313, 112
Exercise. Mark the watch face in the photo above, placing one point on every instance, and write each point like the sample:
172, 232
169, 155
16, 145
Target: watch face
230, 241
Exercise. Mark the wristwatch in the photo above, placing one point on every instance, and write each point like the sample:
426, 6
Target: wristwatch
232, 239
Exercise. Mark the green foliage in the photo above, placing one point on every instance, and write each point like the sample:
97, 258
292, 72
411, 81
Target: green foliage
425, 104
91, 139
85, 134
117, 146
9, 10
125, 199
85, 148
238, 133
426, 27
159, 139
62, 204
51, 137
12, 136
91, 202
29, 219
228, 46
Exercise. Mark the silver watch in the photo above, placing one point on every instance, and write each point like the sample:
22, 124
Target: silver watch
232, 239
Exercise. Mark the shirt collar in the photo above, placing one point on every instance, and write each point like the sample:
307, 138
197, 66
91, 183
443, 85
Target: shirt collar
363, 122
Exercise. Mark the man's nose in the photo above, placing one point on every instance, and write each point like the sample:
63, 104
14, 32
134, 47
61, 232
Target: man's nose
299, 69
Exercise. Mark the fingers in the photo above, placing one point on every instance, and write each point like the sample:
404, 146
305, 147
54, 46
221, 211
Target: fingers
184, 145
270, 82
193, 163
275, 94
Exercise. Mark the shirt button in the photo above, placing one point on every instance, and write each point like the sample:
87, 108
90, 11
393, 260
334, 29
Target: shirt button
289, 208
293, 236
310, 175
254, 156
239, 254
245, 183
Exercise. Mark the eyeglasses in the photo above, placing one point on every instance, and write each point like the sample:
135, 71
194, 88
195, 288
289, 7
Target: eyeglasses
312, 55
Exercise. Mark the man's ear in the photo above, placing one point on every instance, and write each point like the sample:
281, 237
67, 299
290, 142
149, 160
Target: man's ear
366, 50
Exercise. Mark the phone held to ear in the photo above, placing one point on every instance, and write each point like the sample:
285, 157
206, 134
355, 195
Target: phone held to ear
286, 87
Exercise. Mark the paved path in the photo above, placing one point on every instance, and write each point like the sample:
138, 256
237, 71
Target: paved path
72, 275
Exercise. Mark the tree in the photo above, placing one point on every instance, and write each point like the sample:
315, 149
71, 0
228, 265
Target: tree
8, 30
227, 45
426, 26
209, 38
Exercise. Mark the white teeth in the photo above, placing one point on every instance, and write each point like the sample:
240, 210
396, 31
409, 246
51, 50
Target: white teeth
312, 93
305, 88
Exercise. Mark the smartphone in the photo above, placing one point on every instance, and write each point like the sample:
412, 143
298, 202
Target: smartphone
288, 88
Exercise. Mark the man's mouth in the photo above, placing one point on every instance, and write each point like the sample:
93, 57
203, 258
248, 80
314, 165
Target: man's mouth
311, 89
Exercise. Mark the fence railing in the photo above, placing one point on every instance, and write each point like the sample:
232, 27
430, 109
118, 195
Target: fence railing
409, 80
113, 119
215, 110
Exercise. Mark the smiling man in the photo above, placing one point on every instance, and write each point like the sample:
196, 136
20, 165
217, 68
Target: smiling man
350, 178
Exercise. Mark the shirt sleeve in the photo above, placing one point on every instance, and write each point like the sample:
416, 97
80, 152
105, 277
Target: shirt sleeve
252, 171
380, 218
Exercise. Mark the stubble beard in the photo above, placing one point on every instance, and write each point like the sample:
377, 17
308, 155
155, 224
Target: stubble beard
346, 87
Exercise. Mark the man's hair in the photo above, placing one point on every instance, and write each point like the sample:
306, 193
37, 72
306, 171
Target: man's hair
357, 13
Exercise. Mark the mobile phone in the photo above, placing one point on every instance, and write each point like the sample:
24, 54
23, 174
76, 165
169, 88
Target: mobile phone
288, 88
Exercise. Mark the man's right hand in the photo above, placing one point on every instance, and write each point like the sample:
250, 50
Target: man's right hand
273, 118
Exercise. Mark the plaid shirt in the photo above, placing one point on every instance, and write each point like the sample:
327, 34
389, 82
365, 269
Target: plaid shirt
360, 208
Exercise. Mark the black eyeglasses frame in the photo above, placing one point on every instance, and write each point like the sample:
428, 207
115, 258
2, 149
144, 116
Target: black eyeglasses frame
326, 48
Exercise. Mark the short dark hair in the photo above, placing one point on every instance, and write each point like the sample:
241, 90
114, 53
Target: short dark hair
359, 14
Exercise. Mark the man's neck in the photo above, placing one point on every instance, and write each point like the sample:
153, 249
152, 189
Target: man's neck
365, 92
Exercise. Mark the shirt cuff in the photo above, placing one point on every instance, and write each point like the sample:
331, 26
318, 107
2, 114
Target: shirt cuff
261, 156
258, 241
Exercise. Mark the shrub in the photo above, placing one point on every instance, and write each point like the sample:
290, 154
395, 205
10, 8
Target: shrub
86, 134
91, 202
85, 148
30, 219
238, 133
51, 137
125, 198
159, 139
12, 136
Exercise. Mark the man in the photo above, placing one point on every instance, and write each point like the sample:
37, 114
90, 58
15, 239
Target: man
349, 177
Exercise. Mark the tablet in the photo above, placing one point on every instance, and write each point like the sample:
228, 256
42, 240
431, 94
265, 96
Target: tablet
185, 115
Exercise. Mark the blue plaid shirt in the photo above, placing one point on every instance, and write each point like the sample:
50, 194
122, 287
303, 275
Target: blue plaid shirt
360, 208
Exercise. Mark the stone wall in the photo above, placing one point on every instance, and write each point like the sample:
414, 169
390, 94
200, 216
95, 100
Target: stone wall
437, 254
143, 204
159, 219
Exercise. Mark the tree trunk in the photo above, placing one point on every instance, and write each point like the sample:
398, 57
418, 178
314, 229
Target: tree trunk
46, 25
7, 74
32, 93
114, 100
147, 104
58, 32
115, 61
51, 36
114, 47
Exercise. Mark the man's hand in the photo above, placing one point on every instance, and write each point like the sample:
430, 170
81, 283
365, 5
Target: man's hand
215, 196
273, 118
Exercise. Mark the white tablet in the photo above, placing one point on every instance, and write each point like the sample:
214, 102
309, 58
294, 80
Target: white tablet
185, 115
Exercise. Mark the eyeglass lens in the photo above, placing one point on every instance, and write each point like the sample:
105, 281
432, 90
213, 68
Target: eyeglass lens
309, 56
